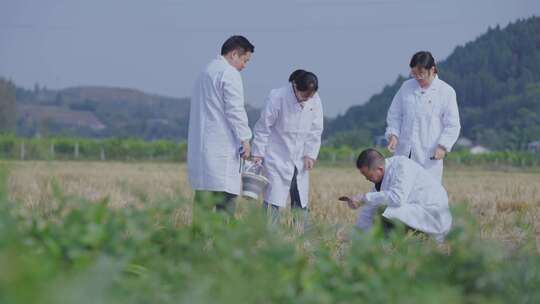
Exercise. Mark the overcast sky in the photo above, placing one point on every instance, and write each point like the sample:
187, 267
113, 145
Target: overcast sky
160, 46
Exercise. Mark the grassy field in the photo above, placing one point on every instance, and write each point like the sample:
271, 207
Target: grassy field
96, 232
498, 200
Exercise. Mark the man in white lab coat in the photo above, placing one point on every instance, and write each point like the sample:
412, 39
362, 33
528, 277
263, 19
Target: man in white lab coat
218, 128
407, 192
287, 139
423, 119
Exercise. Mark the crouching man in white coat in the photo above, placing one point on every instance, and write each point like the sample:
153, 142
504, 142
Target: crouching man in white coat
408, 192
218, 128
287, 139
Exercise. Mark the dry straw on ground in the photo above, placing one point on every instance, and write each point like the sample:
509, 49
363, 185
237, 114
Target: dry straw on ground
503, 202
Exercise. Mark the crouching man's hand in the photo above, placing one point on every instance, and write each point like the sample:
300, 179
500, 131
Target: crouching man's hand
353, 202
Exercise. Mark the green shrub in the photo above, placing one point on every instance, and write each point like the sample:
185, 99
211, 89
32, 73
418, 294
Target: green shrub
76, 251
63, 148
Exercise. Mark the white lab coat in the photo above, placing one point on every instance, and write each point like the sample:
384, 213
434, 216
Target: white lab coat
423, 119
412, 196
283, 135
217, 125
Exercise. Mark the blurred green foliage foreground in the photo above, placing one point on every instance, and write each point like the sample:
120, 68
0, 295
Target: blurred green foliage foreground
76, 251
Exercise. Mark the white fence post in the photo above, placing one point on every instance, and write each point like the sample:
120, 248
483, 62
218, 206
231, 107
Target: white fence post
52, 151
76, 150
23, 150
102, 154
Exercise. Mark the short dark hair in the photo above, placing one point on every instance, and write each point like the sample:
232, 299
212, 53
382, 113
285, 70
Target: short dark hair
237, 43
369, 158
423, 59
295, 74
305, 81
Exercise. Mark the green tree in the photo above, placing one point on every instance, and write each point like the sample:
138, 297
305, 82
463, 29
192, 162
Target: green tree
8, 109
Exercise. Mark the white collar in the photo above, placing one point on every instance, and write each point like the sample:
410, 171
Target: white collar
301, 105
434, 86
221, 57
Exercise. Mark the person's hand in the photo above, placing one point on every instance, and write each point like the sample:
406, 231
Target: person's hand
308, 163
257, 159
440, 153
246, 150
350, 202
392, 143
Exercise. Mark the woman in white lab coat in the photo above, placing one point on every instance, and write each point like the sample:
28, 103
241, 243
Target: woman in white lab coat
287, 139
218, 127
423, 119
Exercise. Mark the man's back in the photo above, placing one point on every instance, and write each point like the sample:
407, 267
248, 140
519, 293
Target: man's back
417, 198
217, 111
420, 185
207, 100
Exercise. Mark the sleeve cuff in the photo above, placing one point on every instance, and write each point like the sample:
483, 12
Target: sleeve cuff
245, 137
311, 155
446, 147
376, 198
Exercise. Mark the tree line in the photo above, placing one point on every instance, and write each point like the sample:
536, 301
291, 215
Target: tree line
133, 149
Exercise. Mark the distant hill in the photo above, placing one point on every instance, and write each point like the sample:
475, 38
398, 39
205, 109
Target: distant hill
60, 116
497, 81
92, 111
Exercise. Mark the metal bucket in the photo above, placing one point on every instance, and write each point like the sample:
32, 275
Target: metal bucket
253, 185
253, 182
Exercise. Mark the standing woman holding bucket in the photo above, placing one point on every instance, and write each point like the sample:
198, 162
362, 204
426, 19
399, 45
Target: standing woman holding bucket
423, 119
287, 139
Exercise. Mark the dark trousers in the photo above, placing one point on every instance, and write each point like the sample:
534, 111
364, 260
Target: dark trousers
296, 203
221, 201
294, 193
388, 226
203, 215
